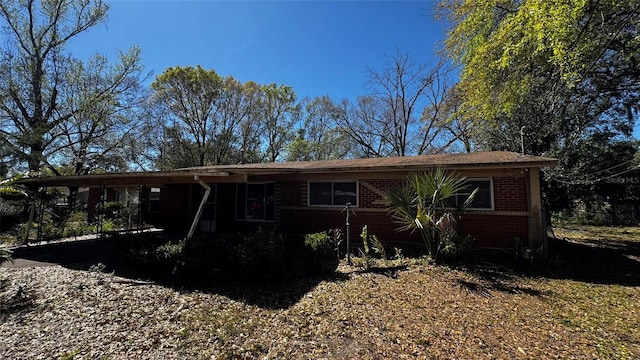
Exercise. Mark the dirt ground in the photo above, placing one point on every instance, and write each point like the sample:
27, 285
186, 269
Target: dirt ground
72, 300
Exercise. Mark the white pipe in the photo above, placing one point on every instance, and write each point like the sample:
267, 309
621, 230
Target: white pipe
202, 203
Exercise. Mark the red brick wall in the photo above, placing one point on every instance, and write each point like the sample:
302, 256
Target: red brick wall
495, 230
310, 221
488, 230
292, 193
371, 192
510, 193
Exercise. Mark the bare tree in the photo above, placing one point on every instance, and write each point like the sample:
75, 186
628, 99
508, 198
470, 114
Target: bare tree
318, 138
401, 115
364, 123
35, 72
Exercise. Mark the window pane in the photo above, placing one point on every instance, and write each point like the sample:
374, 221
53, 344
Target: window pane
255, 201
320, 193
154, 200
482, 199
345, 192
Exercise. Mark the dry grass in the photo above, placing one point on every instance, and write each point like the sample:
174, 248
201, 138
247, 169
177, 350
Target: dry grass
417, 311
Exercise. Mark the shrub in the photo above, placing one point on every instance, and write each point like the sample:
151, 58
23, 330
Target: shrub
456, 246
324, 249
9, 215
5, 255
426, 203
171, 254
372, 244
260, 255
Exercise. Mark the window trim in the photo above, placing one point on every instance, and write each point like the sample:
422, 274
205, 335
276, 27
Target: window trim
245, 186
154, 200
491, 193
332, 182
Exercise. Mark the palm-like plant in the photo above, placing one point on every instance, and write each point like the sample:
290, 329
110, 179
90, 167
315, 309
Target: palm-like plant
427, 204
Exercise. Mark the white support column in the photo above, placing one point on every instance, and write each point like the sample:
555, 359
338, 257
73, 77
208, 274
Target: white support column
196, 219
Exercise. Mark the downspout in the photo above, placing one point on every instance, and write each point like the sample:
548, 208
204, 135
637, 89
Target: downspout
196, 219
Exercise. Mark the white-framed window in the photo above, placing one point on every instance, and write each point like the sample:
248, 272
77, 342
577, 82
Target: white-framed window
255, 201
484, 197
333, 193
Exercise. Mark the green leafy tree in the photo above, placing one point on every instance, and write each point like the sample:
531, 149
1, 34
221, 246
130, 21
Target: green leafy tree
318, 138
197, 118
427, 204
562, 73
247, 140
187, 100
279, 113
563, 52
36, 76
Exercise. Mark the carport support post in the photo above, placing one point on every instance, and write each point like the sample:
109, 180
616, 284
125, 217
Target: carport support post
196, 219
32, 213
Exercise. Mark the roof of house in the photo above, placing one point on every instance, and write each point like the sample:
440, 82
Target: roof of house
458, 160
239, 172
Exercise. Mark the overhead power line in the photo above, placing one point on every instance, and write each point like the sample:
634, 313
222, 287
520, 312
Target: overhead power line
591, 181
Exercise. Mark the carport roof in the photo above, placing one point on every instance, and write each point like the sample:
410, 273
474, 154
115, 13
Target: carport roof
240, 172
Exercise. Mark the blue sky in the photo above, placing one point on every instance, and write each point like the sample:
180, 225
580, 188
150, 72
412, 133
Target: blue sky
317, 47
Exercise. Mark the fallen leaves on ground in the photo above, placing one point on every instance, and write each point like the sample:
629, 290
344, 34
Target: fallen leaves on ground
424, 311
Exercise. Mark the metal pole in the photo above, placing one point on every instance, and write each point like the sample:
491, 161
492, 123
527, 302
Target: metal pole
522, 138
32, 212
139, 219
100, 211
348, 235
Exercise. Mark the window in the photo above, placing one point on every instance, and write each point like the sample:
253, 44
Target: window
154, 200
484, 197
333, 193
255, 201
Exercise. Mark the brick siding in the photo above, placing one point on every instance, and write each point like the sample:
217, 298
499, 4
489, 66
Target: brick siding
510, 193
492, 230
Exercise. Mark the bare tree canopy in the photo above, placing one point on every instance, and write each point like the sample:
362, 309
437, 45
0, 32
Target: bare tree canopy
402, 114
46, 93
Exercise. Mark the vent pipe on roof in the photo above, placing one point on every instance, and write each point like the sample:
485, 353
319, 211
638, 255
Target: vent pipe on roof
522, 138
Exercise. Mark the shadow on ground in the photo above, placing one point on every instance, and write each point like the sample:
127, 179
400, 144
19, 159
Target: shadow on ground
594, 261
610, 262
87, 255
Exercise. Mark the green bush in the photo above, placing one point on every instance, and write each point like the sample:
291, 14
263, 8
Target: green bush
260, 255
372, 245
9, 215
171, 254
111, 209
456, 247
324, 251
5, 255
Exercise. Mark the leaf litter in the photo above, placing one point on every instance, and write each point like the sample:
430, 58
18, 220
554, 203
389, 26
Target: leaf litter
423, 311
